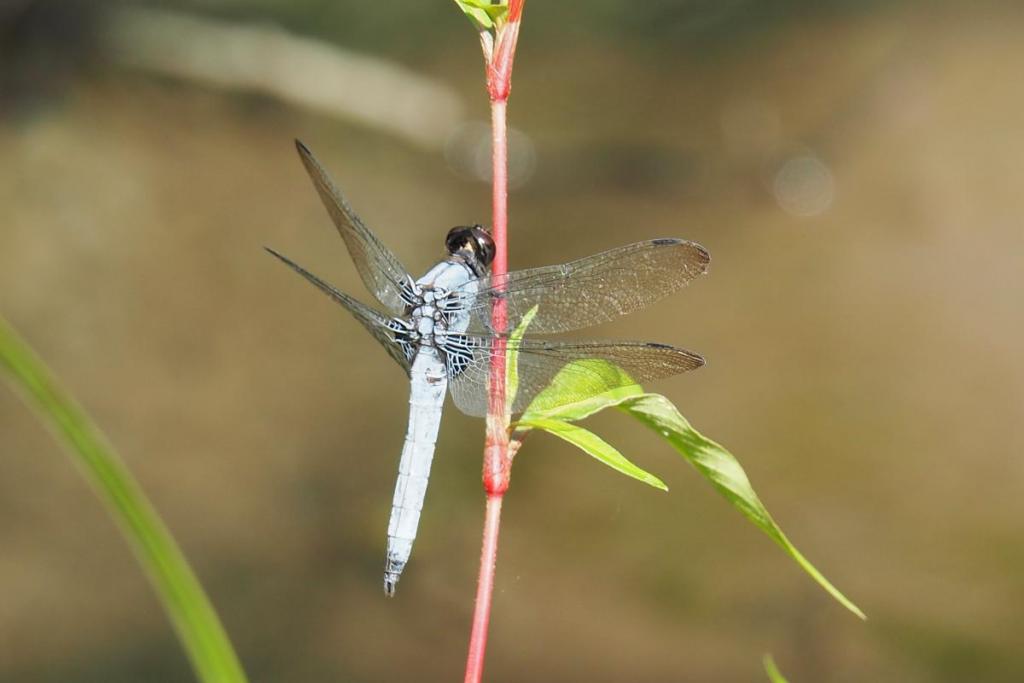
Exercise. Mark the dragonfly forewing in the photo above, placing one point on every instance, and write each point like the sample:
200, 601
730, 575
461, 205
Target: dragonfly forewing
381, 271
591, 290
385, 330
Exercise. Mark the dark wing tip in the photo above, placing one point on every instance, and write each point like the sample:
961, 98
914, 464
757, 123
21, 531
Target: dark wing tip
702, 257
273, 252
291, 264
308, 160
705, 255
692, 360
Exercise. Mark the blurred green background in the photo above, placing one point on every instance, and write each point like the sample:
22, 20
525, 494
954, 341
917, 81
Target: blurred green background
855, 169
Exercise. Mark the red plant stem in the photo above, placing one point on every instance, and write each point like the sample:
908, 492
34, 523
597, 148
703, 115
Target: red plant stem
497, 460
497, 464
499, 189
484, 590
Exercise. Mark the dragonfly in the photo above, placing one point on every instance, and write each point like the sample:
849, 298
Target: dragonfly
440, 329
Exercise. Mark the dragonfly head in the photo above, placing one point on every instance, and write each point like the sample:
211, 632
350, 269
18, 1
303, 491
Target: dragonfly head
473, 244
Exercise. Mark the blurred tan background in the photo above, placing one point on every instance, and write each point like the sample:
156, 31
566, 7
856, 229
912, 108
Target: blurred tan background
855, 169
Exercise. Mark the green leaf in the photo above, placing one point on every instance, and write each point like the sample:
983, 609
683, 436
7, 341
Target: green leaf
486, 16
596, 447
184, 601
774, 675
581, 389
588, 386
720, 468
512, 358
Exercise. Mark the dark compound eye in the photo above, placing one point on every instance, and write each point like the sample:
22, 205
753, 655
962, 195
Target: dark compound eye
485, 245
478, 239
458, 237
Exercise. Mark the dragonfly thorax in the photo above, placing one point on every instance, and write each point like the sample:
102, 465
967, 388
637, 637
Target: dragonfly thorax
431, 320
437, 311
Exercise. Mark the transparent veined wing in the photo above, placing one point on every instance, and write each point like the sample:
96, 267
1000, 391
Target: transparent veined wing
539, 360
381, 271
378, 325
591, 290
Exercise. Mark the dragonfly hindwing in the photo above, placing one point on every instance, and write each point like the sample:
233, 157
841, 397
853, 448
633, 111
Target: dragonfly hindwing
402, 331
458, 353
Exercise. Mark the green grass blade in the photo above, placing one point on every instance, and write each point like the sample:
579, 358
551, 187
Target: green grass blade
719, 467
193, 617
596, 447
774, 675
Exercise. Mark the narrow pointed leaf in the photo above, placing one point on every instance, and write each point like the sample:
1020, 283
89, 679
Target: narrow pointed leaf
720, 468
512, 359
582, 389
595, 446
610, 386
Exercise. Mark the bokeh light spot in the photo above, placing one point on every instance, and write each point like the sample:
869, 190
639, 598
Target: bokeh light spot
468, 153
803, 186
